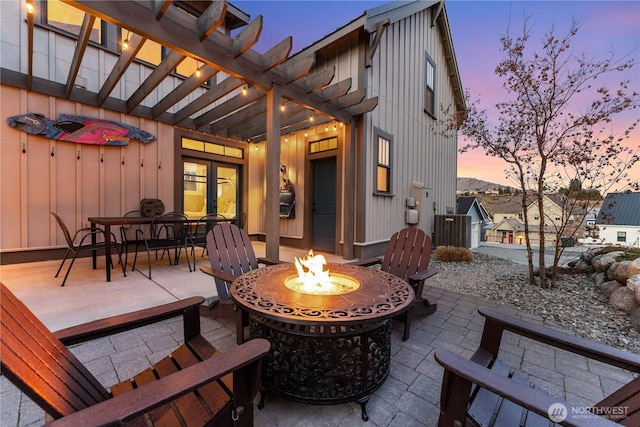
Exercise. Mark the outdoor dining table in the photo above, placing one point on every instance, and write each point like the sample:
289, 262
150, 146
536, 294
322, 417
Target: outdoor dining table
108, 221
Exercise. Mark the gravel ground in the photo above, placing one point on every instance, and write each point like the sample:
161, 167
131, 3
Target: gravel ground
575, 304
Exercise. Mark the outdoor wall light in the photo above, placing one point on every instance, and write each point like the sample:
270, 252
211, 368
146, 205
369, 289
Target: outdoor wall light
29, 6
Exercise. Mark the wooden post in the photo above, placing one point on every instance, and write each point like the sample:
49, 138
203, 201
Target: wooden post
272, 205
349, 201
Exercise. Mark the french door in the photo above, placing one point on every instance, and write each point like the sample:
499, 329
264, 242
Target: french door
210, 187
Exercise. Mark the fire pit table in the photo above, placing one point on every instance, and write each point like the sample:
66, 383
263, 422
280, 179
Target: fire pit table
325, 349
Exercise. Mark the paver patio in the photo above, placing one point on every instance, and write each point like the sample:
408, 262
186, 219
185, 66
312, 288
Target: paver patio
409, 397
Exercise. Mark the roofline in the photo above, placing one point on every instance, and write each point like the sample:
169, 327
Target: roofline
397, 10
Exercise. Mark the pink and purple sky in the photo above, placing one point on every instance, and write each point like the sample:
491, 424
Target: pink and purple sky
476, 27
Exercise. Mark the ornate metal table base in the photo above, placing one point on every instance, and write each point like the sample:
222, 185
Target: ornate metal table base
325, 349
318, 365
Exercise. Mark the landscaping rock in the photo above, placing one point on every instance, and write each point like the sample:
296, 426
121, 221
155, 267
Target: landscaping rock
634, 267
600, 278
602, 262
586, 256
618, 271
624, 299
609, 287
633, 283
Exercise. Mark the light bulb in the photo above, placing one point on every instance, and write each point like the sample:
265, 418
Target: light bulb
125, 44
30, 8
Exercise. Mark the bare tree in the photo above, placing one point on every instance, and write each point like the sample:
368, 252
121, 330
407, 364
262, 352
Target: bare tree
554, 126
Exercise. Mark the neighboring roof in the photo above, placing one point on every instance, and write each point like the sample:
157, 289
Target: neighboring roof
466, 203
620, 209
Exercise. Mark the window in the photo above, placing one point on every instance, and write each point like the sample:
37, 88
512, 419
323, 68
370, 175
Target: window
383, 162
69, 19
430, 86
622, 236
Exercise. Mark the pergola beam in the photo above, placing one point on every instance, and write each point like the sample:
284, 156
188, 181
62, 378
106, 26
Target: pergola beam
211, 18
166, 67
120, 67
81, 46
185, 88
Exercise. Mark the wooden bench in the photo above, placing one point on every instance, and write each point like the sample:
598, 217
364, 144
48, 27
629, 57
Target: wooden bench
484, 392
194, 386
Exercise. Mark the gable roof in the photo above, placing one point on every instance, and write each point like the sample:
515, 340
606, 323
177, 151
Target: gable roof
620, 209
466, 203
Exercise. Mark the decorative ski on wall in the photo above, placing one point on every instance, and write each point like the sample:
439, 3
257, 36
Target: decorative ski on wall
80, 129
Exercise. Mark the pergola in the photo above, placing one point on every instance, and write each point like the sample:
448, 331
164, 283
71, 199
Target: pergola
271, 79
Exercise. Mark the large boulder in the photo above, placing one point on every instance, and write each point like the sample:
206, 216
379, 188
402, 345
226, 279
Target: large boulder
603, 261
609, 287
618, 271
633, 283
586, 256
634, 267
624, 299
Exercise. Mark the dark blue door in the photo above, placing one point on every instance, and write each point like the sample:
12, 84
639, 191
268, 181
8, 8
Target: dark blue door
323, 235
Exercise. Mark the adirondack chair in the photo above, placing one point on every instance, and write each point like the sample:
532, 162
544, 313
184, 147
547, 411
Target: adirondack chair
484, 391
407, 256
211, 388
231, 255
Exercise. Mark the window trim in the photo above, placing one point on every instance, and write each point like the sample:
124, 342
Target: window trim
429, 109
380, 134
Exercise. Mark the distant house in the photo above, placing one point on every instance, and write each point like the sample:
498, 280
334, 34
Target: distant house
508, 217
618, 221
472, 207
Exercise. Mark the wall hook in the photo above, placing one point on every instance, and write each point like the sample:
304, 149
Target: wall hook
102, 158
123, 160
53, 151
160, 165
24, 148
142, 163
78, 157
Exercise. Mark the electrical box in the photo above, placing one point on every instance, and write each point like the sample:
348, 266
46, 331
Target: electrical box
411, 216
411, 202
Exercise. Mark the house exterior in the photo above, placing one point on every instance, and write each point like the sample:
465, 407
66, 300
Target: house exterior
472, 207
508, 215
345, 123
618, 221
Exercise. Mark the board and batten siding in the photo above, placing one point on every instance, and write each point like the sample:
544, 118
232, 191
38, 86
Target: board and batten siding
397, 77
74, 180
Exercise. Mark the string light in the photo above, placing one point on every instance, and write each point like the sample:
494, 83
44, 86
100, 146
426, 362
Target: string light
244, 90
311, 117
282, 107
305, 132
326, 128
198, 69
125, 43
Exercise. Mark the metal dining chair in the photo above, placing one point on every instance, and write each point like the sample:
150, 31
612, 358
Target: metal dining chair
169, 232
81, 235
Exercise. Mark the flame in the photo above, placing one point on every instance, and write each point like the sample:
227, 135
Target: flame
313, 279
311, 270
